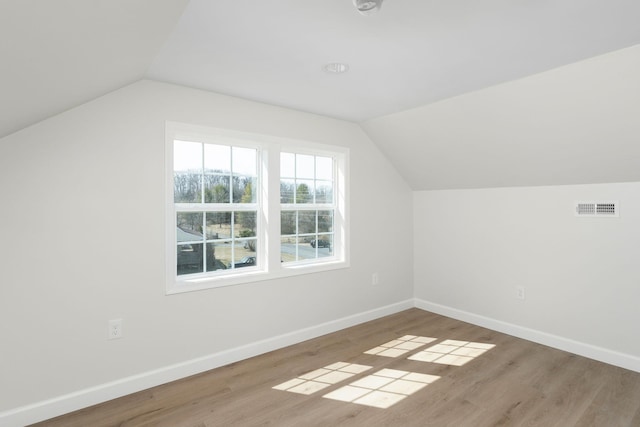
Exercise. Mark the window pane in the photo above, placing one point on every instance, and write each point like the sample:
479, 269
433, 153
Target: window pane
288, 249
189, 259
242, 258
305, 250
324, 168
189, 226
223, 252
217, 158
250, 245
187, 156
245, 224
216, 189
287, 222
187, 168
186, 187
287, 190
304, 192
218, 225
244, 161
287, 165
306, 222
325, 221
324, 192
213, 263
324, 245
305, 166
243, 189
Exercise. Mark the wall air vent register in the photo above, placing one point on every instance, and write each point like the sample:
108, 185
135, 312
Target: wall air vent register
600, 209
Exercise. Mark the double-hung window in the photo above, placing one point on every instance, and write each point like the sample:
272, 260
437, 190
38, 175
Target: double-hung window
244, 207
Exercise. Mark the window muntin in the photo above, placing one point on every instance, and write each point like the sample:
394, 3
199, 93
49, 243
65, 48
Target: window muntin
307, 207
215, 207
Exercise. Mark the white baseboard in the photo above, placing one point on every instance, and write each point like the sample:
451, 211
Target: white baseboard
101, 393
601, 354
40, 411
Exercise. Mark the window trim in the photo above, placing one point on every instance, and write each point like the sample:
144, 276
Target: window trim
268, 207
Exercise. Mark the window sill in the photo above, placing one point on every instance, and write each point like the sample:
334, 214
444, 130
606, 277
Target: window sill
179, 285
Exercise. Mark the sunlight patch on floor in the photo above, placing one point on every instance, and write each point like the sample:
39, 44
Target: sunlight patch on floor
314, 381
386, 387
452, 352
400, 346
383, 388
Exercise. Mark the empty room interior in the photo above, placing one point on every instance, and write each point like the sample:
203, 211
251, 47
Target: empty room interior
344, 212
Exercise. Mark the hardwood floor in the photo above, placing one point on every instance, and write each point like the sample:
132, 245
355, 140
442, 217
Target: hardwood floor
515, 383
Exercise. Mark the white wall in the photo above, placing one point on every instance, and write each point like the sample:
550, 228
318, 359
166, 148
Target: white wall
82, 226
581, 275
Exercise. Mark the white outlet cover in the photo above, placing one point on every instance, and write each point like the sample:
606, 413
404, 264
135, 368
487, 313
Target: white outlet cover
114, 329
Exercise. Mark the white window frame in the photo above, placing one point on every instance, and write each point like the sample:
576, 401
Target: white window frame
268, 209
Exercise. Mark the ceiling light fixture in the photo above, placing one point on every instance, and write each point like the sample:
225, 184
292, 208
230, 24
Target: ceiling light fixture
336, 68
367, 7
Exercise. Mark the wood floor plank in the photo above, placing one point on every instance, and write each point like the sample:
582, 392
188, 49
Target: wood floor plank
515, 383
619, 394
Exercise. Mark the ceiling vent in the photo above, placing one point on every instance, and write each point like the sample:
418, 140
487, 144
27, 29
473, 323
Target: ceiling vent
602, 209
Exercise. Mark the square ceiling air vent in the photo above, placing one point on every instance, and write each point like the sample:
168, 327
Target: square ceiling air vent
601, 209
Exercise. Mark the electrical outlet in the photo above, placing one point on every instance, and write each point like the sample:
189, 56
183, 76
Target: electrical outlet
520, 292
115, 329
375, 279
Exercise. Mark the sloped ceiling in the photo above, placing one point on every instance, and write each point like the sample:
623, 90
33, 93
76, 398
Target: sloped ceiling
577, 124
410, 53
415, 71
57, 54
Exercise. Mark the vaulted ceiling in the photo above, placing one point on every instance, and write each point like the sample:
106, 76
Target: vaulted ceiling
57, 54
410, 56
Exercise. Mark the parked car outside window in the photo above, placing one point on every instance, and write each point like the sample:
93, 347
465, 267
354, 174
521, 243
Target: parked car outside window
244, 262
320, 243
